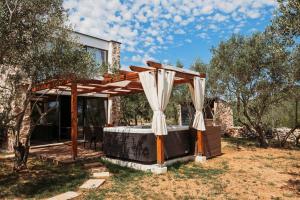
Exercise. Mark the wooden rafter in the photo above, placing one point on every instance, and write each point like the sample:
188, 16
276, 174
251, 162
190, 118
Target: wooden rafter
109, 83
154, 64
51, 84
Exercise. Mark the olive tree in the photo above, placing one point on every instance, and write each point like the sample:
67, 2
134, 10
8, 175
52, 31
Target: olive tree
35, 45
253, 74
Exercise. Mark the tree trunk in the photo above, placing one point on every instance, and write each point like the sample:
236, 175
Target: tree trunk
22, 129
285, 138
297, 140
262, 137
22, 147
135, 120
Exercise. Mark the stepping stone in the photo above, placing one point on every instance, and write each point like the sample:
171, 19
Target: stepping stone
90, 165
101, 175
65, 196
7, 156
92, 184
98, 169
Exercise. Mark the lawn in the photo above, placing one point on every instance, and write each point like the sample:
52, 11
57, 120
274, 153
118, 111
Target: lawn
242, 172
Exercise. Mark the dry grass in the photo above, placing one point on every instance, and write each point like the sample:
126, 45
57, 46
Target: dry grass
242, 172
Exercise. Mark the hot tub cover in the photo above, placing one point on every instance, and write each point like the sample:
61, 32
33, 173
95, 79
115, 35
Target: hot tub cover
141, 129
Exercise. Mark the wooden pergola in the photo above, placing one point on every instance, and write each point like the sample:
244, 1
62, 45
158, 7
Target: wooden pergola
118, 84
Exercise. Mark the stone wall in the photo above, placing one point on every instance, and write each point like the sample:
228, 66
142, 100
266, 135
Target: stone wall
223, 115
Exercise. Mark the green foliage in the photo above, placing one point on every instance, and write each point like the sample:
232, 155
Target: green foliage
253, 74
287, 20
199, 66
179, 64
135, 108
295, 63
283, 114
35, 38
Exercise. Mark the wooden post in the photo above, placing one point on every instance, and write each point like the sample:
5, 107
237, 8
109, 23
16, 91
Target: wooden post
160, 150
74, 120
200, 145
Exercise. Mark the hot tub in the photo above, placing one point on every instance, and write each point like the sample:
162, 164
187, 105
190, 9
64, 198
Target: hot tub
138, 143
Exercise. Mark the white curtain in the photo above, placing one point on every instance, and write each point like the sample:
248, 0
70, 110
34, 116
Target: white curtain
197, 93
109, 111
158, 95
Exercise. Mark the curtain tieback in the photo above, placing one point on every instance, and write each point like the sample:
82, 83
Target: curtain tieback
158, 112
198, 113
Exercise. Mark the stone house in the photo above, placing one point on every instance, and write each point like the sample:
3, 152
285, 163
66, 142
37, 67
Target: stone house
92, 108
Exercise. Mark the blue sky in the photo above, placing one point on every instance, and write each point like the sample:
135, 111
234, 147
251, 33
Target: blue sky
167, 30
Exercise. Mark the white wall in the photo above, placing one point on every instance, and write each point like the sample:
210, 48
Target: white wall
91, 41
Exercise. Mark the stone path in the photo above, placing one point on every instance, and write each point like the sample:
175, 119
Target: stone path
6, 156
92, 184
65, 196
99, 174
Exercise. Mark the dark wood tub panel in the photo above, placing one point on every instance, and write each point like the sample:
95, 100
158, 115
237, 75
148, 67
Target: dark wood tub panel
142, 147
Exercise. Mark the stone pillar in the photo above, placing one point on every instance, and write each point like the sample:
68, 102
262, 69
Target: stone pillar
114, 57
116, 110
114, 63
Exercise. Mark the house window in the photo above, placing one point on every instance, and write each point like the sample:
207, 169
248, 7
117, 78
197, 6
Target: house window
99, 55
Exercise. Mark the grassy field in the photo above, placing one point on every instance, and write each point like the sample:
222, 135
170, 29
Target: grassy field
242, 172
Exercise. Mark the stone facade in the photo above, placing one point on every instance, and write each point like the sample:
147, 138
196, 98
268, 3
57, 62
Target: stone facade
114, 55
223, 115
114, 63
116, 111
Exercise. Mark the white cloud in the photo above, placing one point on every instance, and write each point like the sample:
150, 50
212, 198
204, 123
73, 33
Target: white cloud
203, 35
146, 27
179, 31
253, 14
188, 40
219, 17
213, 27
198, 27
136, 58
177, 18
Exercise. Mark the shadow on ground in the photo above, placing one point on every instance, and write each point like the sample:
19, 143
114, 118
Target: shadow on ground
40, 180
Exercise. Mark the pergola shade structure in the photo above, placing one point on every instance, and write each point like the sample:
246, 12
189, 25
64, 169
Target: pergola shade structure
129, 82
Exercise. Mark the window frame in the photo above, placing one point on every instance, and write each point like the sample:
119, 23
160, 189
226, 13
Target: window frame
106, 57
